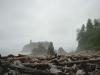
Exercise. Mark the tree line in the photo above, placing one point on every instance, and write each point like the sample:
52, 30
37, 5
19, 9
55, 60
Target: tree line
88, 36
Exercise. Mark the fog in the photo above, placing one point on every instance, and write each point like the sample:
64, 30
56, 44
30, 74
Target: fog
43, 20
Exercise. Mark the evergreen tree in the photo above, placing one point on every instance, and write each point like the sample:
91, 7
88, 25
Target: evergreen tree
81, 32
89, 37
89, 26
96, 24
81, 36
51, 49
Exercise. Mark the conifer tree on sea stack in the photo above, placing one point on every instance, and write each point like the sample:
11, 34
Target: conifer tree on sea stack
51, 51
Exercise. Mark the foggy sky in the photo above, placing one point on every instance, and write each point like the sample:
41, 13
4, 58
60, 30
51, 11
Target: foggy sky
44, 20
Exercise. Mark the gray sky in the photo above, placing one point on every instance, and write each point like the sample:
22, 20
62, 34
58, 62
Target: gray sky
44, 20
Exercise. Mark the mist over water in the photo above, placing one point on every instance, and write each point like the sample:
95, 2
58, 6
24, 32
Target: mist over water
43, 20
5, 51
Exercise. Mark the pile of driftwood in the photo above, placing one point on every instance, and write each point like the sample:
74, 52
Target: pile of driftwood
54, 65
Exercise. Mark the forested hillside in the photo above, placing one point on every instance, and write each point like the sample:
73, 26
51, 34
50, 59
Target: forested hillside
88, 36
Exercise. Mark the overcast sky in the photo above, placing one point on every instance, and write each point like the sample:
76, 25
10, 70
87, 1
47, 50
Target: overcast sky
44, 20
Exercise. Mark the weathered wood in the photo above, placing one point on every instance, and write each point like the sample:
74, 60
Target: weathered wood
84, 61
38, 66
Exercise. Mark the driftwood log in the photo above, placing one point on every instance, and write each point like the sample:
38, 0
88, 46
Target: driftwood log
84, 61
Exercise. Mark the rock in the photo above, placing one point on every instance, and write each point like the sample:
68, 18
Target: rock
32, 45
39, 49
61, 51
